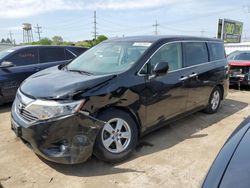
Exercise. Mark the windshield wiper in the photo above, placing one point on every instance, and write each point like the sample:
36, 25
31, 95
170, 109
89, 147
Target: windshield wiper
80, 71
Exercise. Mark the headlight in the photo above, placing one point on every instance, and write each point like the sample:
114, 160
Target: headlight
44, 109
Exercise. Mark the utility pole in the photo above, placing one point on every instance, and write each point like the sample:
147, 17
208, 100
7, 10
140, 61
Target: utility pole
202, 32
95, 28
245, 38
38, 31
156, 25
10, 34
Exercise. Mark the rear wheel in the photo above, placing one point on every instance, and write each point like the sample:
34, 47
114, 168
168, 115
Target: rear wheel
118, 137
214, 101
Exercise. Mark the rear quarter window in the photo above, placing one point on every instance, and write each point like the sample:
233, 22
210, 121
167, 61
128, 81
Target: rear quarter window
195, 53
216, 50
51, 54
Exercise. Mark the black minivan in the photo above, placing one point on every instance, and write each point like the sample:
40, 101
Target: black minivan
18, 63
116, 92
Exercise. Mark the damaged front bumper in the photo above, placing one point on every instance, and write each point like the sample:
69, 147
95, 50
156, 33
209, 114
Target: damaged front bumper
68, 140
239, 76
240, 79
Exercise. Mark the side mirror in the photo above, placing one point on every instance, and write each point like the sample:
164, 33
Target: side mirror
6, 64
160, 69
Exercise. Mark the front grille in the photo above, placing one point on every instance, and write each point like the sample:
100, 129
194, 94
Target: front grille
239, 69
23, 113
234, 79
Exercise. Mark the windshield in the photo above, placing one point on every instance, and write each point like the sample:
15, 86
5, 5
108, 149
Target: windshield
239, 56
4, 53
109, 57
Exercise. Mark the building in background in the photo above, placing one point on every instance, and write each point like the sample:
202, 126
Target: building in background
244, 46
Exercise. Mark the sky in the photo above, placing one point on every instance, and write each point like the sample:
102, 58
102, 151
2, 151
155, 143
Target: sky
73, 19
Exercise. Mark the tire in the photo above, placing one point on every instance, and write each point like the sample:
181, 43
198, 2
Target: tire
112, 146
214, 101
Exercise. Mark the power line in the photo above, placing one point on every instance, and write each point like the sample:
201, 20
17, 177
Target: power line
211, 14
156, 25
247, 8
38, 31
74, 23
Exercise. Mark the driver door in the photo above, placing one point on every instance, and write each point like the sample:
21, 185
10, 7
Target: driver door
166, 95
24, 62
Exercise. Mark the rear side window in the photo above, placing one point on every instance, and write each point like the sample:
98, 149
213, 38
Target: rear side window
24, 57
51, 54
195, 53
216, 51
171, 53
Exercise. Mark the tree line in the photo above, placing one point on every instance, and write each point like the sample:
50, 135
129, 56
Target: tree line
58, 40
8, 41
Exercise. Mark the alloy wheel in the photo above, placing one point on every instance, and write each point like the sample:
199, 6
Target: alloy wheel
215, 100
116, 135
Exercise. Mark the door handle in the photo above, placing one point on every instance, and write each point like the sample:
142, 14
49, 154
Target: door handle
183, 78
193, 75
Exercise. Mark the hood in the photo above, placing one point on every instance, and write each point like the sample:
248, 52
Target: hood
239, 63
53, 83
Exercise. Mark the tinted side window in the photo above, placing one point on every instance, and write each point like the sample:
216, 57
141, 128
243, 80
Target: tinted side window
51, 54
170, 53
216, 51
195, 53
24, 57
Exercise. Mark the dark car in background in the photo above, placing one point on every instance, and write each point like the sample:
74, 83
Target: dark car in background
231, 167
117, 91
18, 63
239, 63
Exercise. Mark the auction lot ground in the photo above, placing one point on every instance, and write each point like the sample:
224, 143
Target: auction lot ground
178, 155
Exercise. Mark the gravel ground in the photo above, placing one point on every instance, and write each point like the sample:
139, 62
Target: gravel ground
178, 155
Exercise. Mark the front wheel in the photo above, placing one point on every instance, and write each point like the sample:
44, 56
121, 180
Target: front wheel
118, 137
214, 101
